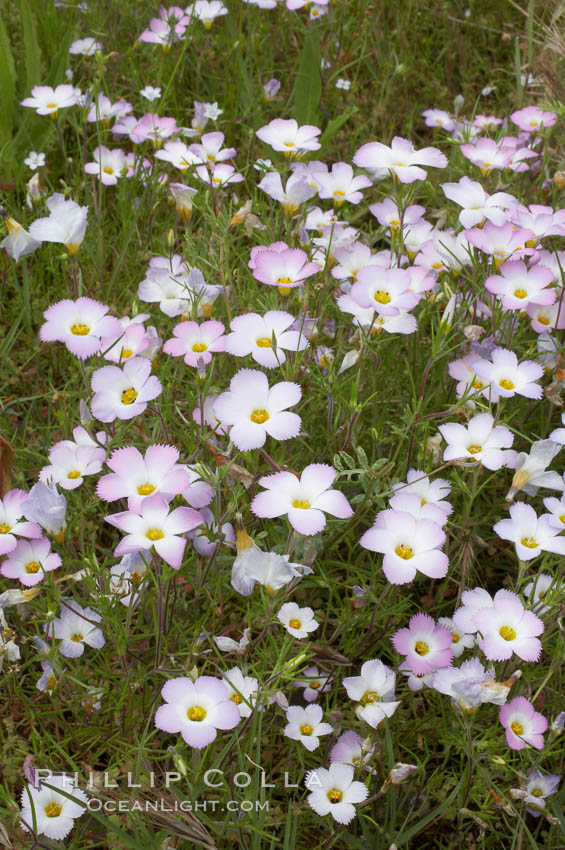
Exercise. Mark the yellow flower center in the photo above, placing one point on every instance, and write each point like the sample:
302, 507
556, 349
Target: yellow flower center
126, 352
356, 760
506, 384
477, 385
5, 529
129, 396
196, 713
145, 489
264, 342
517, 728
284, 281
77, 637
154, 534
335, 795
562, 518
543, 320
108, 170
369, 697
294, 624
51, 683
536, 792
474, 449
422, 647
339, 194
314, 685
455, 639
74, 474
79, 329
507, 632
236, 698
199, 346
306, 729
53, 809
303, 504
381, 296
33, 567
260, 415
394, 222
529, 542
404, 552
289, 144
520, 293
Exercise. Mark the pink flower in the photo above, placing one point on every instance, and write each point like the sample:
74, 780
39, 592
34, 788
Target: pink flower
439, 118
388, 214
517, 286
196, 342
400, 159
155, 526
29, 561
314, 684
136, 477
296, 192
532, 118
287, 268
287, 137
426, 645
153, 127
303, 499
386, 290
12, 508
499, 242
254, 410
523, 724
507, 628
409, 546
488, 154
265, 337
196, 709
123, 393
79, 325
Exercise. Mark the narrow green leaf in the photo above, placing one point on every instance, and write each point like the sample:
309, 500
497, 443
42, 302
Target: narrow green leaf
7, 83
31, 44
336, 124
308, 86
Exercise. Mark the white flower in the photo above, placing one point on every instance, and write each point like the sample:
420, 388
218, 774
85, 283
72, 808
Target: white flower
460, 640
334, 791
242, 690
85, 47
35, 160
66, 223
531, 534
255, 410
341, 83
305, 725
480, 442
226, 644
253, 566
151, 93
531, 472
297, 621
54, 813
18, 242
374, 691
